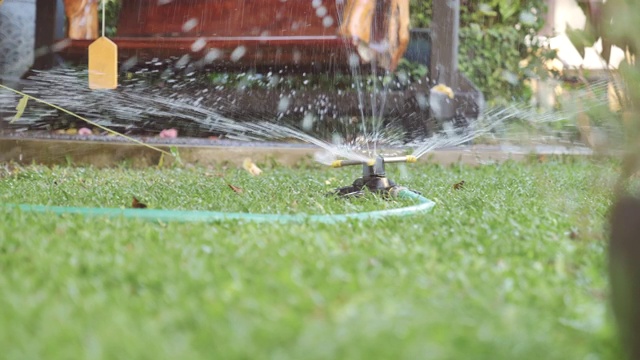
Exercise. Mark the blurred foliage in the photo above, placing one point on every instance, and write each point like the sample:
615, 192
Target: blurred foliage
498, 47
406, 75
601, 20
611, 22
112, 12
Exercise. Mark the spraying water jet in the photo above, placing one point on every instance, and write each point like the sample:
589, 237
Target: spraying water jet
269, 37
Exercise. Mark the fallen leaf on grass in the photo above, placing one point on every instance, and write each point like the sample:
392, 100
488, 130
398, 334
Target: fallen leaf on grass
458, 186
9, 169
136, 204
236, 189
22, 105
252, 168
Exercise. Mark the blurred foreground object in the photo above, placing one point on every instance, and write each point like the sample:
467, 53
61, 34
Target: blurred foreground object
624, 272
17, 31
82, 18
616, 17
388, 47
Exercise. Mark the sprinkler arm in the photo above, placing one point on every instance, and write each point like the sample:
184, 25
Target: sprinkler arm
372, 162
373, 175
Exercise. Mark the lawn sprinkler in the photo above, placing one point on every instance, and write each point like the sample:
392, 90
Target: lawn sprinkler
373, 177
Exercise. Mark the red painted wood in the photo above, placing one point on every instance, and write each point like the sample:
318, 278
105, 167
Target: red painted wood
227, 18
269, 32
319, 52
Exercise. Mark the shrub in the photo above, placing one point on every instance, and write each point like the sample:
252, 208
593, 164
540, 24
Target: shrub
498, 47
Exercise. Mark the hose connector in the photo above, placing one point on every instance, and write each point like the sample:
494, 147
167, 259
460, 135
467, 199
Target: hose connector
394, 192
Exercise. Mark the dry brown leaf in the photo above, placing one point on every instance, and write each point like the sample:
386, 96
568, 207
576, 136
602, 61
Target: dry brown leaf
236, 189
573, 234
458, 186
252, 168
136, 204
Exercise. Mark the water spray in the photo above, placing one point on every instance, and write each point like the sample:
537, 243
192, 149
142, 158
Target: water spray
374, 177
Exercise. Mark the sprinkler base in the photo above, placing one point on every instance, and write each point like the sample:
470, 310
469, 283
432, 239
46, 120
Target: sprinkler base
381, 186
373, 178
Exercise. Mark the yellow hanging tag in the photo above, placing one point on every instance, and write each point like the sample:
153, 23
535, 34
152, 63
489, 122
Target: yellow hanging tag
103, 64
103, 59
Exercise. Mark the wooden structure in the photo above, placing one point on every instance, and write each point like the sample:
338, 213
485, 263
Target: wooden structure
251, 32
310, 35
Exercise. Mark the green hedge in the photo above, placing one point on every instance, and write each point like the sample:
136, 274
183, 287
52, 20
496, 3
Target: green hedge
496, 50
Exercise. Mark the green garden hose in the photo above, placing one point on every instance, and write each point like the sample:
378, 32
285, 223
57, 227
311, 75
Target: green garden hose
423, 205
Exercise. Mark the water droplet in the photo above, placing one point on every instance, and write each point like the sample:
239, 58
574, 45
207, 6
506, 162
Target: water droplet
527, 18
189, 25
284, 103
129, 63
198, 45
327, 21
307, 122
60, 45
184, 60
354, 60
212, 55
297, 56
321, 11
509, 77
422, 100
238, 53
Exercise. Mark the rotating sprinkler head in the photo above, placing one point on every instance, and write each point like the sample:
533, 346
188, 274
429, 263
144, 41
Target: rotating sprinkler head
373, 178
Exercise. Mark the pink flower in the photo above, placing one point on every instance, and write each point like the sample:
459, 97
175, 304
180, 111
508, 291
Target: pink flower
84, 131
169, 133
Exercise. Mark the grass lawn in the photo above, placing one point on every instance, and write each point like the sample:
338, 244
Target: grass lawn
512, 266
